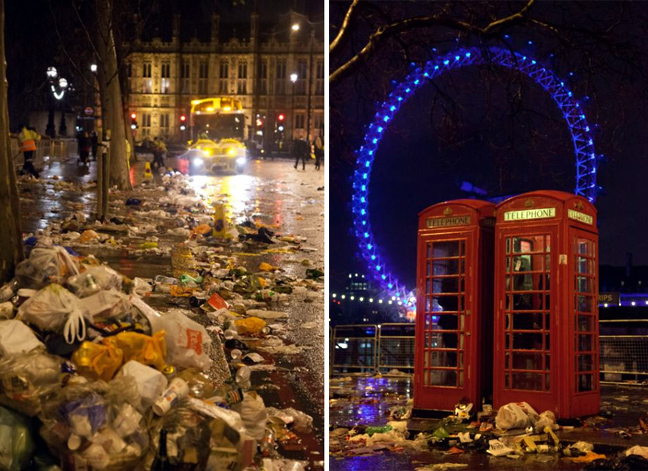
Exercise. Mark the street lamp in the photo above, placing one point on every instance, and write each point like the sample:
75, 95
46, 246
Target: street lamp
296, 27
93, 67
293, 79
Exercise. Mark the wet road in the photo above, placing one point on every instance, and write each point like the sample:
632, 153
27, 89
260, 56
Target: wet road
271, 192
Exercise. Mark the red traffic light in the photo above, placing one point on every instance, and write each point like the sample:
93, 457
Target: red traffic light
183, 118
133, 115
281, 117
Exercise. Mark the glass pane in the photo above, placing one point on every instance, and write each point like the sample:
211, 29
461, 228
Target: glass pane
522, 302
446, 249
444, 378
584, 324
584, 303
585, 382
527, 321
445, 303
446, 267
527, 361
461, 379
528, 381
584, 284
444, 358
507, 359
547, 383
527, 244
522, 283
445, 285
584, 362
428, 269
508, 245
428, 251
527, 341
446, 322
584, 343
547, 262
583, 265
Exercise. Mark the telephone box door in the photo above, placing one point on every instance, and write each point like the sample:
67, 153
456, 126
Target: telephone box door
447, 326
525, 327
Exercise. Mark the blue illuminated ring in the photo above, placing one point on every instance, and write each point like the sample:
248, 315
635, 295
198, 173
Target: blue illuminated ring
571, 110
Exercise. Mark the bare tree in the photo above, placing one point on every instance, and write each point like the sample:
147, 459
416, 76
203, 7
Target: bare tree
11, 250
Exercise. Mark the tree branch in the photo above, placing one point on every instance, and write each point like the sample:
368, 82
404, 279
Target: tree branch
342, 34
383, 33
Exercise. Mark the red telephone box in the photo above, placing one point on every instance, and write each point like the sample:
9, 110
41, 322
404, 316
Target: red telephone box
454, 305
546, 310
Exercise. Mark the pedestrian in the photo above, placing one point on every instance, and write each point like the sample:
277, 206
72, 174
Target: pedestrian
319, 152
84, 147
302, 151
28, 139
159, 151
94, 144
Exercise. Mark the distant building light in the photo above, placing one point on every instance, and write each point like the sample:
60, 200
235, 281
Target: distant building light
352, 298
361, 299
380, 301
371, 300
606, 304
343, 297
633, 303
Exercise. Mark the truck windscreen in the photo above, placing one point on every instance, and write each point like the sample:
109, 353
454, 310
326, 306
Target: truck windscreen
220, 126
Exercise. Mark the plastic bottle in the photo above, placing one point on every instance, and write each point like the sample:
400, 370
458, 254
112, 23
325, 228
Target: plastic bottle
161, 461
268, 443
8, 290
185, 279
165, 279
243, 377
378, 429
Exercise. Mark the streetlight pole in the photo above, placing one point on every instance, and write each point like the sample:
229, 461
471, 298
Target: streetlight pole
293, 79
310, 81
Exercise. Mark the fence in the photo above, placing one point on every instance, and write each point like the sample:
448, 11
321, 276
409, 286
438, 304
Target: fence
46, 149
369, 348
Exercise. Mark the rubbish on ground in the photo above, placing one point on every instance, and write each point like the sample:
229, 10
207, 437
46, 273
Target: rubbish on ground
498, 448
514, 415
16, 338
188, 343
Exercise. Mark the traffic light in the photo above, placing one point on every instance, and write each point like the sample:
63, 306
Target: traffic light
281, 117
280, 122
183, 120
133, 121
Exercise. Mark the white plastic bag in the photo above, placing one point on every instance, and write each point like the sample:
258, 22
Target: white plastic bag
49, 308
46, 265
16, 337
188, 342
105, 277
151, 315
105, 305
141, 287
150, 382
253, 413
514, 415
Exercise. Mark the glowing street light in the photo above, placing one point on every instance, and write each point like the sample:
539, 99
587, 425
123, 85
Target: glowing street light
293, 77
93, 67
295, 27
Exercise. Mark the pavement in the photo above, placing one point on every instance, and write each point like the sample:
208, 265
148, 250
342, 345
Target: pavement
269, 192
366, 400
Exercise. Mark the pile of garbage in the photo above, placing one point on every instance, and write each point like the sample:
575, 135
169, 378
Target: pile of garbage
106, 382
514, 432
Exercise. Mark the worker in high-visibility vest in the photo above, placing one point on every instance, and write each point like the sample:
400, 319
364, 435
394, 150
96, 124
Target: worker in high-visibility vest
28, 138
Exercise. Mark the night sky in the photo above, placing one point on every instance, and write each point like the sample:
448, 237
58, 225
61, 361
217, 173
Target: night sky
493, 127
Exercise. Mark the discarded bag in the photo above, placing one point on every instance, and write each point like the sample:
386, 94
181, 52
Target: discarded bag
253, 413
98, 360
105, 305
44, 266
49, 308
188, 343
249, 325
146, 349
16, 337
514, 415
16, 442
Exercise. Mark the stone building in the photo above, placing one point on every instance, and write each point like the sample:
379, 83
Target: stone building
164, 77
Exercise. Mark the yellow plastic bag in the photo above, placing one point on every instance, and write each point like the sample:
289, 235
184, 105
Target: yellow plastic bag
249, 325
98, 360
148, 350
267, 267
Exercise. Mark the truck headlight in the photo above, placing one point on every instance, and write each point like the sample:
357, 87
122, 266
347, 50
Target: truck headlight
230, 151
240, 161
197, 162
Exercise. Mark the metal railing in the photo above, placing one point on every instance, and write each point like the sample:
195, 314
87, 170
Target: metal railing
370, 348
51, 150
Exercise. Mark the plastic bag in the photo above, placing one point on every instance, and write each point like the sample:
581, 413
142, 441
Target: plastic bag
148, 350
141, 287
16, 442
106, 277
188, 342
46, 265
150, 382
49, 308
300, 420
16, 337
153, 317
98, 360
28, 378
514, 415
105, 305
249, 325
253, 413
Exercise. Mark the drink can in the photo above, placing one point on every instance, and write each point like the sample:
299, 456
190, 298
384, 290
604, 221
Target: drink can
169, 371
234, 396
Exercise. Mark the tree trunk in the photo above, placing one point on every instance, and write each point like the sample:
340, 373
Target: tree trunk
11, 246
114, 124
